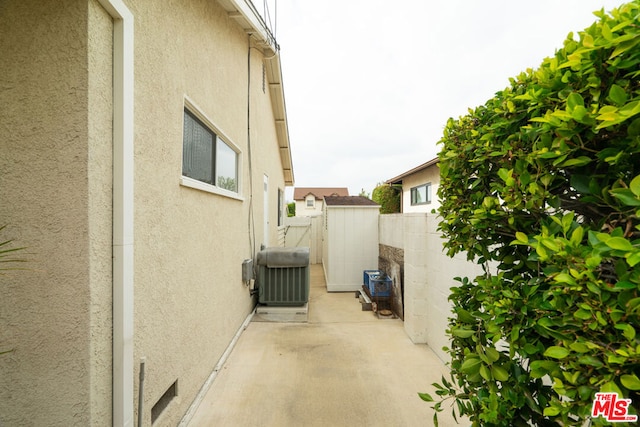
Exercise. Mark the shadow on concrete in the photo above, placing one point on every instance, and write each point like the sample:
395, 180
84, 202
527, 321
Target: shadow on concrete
344, 367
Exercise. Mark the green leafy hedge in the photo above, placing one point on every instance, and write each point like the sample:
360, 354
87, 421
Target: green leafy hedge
541, 185
388, 197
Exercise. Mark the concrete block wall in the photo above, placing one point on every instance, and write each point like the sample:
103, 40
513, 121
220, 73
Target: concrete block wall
416, 272
428, 276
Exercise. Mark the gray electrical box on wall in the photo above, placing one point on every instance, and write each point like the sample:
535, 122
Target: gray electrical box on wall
247, 270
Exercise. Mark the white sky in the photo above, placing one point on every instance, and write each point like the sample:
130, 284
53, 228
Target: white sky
370, 84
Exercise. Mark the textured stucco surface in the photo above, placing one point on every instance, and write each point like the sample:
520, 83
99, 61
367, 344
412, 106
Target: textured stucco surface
56, 195
100, 185
53, 171
190, 244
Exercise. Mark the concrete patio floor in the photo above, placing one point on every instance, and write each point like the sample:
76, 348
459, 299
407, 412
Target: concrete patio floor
344, 367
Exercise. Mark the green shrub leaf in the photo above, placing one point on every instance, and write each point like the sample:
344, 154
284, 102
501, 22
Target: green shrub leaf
471, 365
541, 187
617, 94
426, 397
634, 186
462, 333
557, 352
619, 243
499, 373
630, 381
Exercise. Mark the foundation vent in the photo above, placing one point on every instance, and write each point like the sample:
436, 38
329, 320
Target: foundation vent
164, 401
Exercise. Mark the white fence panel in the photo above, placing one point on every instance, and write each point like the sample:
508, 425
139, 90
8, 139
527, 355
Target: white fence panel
305, 231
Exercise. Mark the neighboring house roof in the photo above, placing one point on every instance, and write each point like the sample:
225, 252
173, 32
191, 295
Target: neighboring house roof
300, 193
246, 15
398, 179
349, 201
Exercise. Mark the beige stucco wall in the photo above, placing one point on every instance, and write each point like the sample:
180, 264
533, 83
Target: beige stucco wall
100, 202
55, 196
190, 244
430, 174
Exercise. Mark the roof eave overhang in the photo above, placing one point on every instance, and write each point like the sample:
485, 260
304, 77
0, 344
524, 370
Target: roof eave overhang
245, 14
398, 179
276, 89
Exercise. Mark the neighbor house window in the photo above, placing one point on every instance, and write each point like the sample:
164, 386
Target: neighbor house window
206, 157
311, 202
421, 194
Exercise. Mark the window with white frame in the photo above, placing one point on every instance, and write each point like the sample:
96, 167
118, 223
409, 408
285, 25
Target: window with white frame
311, 201
206, 157
421, 195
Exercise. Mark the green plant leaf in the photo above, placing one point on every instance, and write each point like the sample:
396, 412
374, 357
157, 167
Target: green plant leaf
582, 314
626, 196
633, 304
579, 347
551, 411
634, 186
492, 354
630, 381
576, 161
580, 114
462, 333
634, 128
465, 316
577, 235
485, 372
564, 278
633, 258
499, 373
574, 100
521, 237
628, 331
630, 109
619, 243
540, 368
625, 284
426, 397
556, 352
611, 387
617, 94
471, 365
590, 361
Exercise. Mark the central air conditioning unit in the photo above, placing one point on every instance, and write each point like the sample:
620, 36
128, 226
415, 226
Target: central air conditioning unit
283, 276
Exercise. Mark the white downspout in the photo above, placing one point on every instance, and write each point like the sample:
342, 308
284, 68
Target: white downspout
123, 101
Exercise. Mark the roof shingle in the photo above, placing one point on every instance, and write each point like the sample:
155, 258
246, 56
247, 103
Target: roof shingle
299, 193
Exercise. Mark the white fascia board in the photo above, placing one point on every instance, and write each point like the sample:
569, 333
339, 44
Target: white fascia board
243, 12
248, 17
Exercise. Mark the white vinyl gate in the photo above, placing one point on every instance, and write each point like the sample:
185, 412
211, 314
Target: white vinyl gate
305, 231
